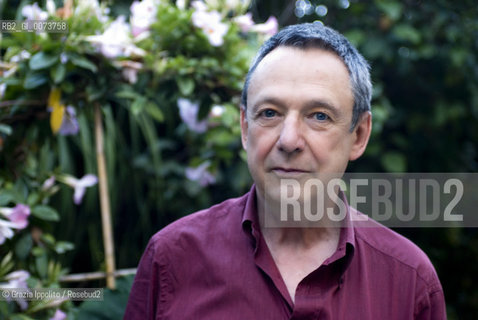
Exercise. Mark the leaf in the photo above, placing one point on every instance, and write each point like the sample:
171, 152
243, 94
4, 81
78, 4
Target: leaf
6, 265
48, 239
67, 87
58, 73
56, 117
6, 197
6, 260
33, 198
63, 246
6, 129
42, 60
41, 263
34, 80
38, 251
356, 37
408, 33
154, 111
113, 305
12, 81
374, 47
127, 94
23, 246
221, 137
83, 63
20, 317
394, 162
186, 86
58, 109
45, 213
138, 105
393, 9
94, 92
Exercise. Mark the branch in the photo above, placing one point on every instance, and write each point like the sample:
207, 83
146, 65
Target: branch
95, 275
10, 103
104, 201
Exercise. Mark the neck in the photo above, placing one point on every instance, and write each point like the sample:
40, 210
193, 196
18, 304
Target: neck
302, 238
299, 235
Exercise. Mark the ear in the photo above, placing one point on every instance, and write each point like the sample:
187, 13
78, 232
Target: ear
244, 127
361, 134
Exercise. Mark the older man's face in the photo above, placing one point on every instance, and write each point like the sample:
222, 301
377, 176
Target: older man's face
298, 118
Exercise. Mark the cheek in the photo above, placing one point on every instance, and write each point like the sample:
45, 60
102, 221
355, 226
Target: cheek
260, 142
332, 148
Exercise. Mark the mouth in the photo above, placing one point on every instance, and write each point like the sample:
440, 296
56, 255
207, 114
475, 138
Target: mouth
288, 171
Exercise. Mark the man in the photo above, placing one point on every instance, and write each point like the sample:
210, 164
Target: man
305, 114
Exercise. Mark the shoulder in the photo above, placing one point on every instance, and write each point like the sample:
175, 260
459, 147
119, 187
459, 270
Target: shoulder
398, 266
394, 248
202, 226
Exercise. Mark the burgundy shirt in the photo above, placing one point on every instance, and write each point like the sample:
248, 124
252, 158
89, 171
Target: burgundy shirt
215, 264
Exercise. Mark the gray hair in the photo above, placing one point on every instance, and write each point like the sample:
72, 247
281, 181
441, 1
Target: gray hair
316, 35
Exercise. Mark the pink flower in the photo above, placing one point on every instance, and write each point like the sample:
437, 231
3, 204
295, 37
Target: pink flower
23, 55
130, 74
63, 58
80, 185
200, 174
92, 8
245, 22
19, 215
33, 12
199, 5
69, 125
6, 231
17, 219
17, 280
130, 69
269, 28
51, 7
237, 5
181, 4
48, 183
211, 25
188, 111
116, 40
59, 315
143, 14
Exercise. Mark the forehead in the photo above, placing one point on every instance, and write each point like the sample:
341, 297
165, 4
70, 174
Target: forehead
311, 73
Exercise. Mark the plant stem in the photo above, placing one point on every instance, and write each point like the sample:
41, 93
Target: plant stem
104, 201
79, 277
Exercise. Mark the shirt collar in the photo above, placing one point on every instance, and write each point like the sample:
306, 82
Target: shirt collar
346, 245
250, 219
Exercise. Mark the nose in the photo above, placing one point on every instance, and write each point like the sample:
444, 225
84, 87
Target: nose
291, 139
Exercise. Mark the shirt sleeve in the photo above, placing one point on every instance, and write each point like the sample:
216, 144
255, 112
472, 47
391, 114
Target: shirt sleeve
148, 291
432, 304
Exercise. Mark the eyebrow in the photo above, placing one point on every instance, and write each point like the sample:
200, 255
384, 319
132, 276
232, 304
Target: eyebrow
311, 104
325, 105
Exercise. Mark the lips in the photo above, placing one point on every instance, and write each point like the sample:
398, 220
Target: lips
288, 170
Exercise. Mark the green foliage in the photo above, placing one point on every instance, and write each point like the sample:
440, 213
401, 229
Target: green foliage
424, 70
113, 304
50, 84
425, 112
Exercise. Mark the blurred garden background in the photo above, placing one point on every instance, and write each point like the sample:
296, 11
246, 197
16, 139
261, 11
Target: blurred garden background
132, 113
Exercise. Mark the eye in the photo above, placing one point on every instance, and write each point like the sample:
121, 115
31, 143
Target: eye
269, 113
320, 116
